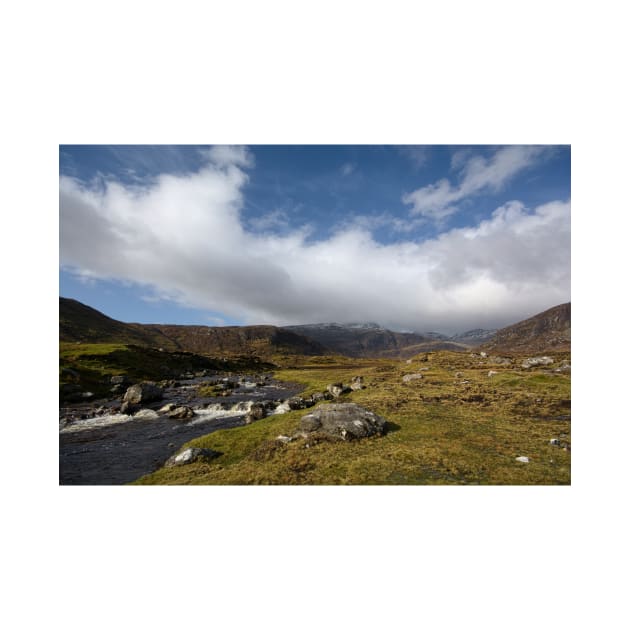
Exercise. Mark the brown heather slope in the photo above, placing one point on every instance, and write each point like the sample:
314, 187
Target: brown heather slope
546, 332
78, 322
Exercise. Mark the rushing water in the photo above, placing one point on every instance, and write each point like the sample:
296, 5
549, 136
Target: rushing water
111, 448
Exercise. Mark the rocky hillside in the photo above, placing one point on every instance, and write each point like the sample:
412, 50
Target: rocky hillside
78, 322
366, 340
545, 332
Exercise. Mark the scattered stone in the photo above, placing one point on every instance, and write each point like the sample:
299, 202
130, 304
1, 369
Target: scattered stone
408, 361
554, 442
318, 397
143, 393
146, 414
336, 389
492, 373
168, 407
343, 420
536, 361
285, 439
120, 379
407, 378
256, 412
283, 407
357, 383
459, 374
191, 455
296, 402
182, 412
501, 360
523, 459
565, 366
483, 355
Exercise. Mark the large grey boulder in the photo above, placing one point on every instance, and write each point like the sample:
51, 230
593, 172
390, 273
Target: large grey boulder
344, 420
143, 393
191, 455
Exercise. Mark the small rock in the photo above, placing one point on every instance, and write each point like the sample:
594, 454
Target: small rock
168, 407
554, 442
181, 413
483, 355
285, 439
146, 414
536, 361
492, 373
459, 374
357, 383
407, 378
191, 455
335, 389
523, 459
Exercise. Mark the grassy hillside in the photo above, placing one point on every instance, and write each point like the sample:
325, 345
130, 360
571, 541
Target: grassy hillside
456, 425
89, 367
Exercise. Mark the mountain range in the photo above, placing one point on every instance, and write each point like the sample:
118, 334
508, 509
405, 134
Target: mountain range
81, 323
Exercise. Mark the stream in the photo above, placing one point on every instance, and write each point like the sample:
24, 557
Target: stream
100, 446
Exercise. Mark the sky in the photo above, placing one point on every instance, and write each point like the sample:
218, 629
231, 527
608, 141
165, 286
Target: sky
416, 238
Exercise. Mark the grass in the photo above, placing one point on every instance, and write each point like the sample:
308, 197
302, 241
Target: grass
442, 430
91, 365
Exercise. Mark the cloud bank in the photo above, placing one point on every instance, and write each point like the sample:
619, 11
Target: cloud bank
181, 238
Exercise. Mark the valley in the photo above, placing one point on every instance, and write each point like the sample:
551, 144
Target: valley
239, 416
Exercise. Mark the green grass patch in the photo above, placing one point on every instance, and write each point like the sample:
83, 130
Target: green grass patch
442, 431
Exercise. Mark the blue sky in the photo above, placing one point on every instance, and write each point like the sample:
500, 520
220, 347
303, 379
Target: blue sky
443, 238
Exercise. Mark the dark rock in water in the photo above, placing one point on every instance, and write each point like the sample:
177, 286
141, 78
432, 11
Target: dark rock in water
120, 380
181, 413
343, 420
72, 374
191, 455
257, 411
143, 393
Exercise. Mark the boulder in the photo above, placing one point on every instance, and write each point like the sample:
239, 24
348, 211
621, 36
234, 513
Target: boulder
536, 361
357, 383
343, 420
256, 412
501, 360
407, 378
335, 389
143, 393
181, 413
191, 455
146, 414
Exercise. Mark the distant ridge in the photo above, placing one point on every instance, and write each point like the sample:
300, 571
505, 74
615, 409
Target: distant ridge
545, 332
78, 322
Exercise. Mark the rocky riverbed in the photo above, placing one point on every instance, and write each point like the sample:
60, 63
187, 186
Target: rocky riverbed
100, 445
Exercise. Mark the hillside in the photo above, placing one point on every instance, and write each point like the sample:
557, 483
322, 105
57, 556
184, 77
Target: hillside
367, 340
78, 322
545, 332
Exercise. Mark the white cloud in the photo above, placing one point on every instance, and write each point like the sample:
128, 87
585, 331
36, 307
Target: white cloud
477, 175
182, 238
